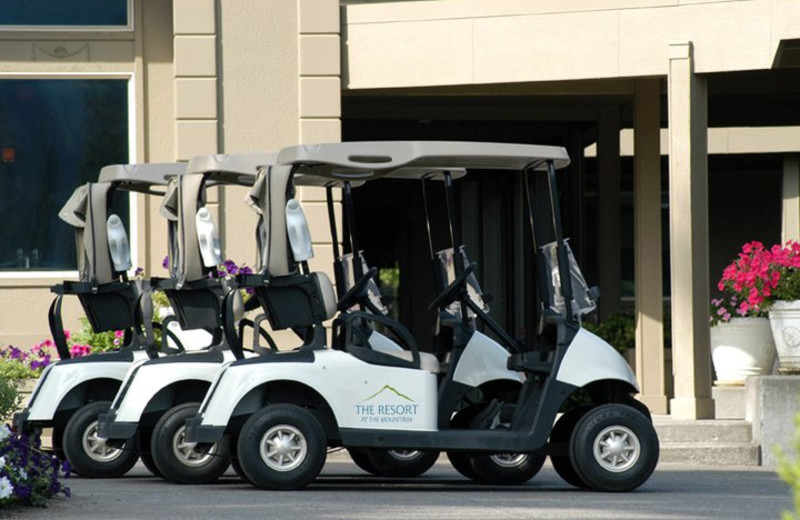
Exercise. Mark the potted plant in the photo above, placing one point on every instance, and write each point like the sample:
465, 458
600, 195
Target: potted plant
784, 314
741, 338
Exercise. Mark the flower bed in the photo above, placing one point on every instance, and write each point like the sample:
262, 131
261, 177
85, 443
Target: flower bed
28, 476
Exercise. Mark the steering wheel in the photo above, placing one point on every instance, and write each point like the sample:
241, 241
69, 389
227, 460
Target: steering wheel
356, 292
451, 292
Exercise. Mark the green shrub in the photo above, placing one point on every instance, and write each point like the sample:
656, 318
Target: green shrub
10, 400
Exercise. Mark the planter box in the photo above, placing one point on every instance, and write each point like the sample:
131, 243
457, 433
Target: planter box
741, 348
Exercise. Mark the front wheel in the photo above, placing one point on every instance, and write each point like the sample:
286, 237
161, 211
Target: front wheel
88, 454
181, 461
614, 448
282, 446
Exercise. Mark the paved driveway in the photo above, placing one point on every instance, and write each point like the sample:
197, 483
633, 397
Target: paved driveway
344, 492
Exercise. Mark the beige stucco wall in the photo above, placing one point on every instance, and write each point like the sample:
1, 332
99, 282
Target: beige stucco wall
450, 42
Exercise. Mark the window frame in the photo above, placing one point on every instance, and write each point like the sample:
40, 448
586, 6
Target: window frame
76, 28
133, 200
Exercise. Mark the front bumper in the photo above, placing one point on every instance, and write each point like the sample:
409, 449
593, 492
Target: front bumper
108, 428
202, 433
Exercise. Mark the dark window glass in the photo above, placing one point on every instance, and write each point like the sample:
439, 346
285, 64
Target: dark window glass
64, 12
54, 136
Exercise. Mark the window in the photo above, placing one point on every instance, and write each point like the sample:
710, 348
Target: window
65, 13
54, 136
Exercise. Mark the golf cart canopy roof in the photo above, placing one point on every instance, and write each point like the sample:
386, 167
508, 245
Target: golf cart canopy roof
238, 168
414, 159
140, 177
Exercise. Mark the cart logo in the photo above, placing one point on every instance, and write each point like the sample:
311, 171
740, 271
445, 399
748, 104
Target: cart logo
387, 405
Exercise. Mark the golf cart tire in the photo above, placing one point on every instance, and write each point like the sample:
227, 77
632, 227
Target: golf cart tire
462, 460
233, 442
402, 463
299, 433
361, 459
57, 439
633, 452
561, 434
144, 453
79, 435
166, 445
522, 467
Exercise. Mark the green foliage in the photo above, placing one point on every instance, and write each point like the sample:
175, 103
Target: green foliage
98, 341
11, 369
789, 287
789, 471
10, 399
619, 330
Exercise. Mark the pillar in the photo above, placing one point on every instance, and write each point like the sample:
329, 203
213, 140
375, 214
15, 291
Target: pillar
688, 222
608, 209
647, 244
790, 222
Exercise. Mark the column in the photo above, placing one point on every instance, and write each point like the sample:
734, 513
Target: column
608, 209
647, 244
790, 225
688, 221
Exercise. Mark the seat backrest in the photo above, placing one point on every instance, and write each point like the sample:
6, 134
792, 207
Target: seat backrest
267, 197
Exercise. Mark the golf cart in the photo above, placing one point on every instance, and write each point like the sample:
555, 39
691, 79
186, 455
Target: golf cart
286, 408
159, 394
71, 393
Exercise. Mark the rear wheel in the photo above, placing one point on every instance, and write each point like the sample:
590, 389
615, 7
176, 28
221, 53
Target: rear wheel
401, 463
614, 448
144, 453
503, 468
182, 461
282, 446
88, 454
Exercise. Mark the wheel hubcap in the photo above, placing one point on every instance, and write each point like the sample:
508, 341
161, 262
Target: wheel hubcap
97, 448
405, 455
509, 460
283, 448
616, 449
186, 453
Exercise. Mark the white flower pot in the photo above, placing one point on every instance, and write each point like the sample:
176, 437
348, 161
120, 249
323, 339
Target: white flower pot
740, 348
784, 317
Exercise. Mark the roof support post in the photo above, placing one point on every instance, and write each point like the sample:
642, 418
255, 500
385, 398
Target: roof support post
647, 244
790, 225
688, 222
609, 211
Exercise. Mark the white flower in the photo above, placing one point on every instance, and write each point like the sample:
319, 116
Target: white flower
2, 461
5, 488
4, 433
23, 475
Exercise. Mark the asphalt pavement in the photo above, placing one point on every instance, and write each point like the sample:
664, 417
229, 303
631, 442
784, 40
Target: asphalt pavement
345, 492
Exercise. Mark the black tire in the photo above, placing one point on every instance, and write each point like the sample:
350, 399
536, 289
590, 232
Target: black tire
179, 461
233, 441
361, 459
402, 463
634, 448
303, 444
144, 453
90, 456
462, 460
560, 435
57, 439
505, 469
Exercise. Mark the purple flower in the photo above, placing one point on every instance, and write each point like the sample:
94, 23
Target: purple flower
230, 267
245, 270
138, 272
165, 262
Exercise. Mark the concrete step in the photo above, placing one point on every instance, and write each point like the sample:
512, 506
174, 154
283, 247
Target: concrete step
711, 453
731, 430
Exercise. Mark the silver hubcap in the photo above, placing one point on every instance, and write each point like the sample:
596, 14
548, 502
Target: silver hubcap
96, 448
404, 455
509, 460
185, 451
616, 449
283, 448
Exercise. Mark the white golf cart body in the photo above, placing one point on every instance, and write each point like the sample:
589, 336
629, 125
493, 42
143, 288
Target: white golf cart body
70, 383
151, 385
375, 405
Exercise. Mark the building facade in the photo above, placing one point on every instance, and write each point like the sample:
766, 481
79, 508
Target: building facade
682, 119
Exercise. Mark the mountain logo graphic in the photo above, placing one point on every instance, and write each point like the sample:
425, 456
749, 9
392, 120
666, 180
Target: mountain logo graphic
387, 388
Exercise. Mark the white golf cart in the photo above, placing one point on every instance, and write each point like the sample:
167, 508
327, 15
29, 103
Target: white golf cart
71, 393
286, 408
